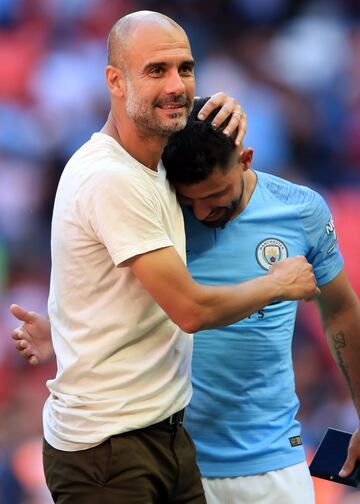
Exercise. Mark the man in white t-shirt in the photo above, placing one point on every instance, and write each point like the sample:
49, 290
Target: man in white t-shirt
122, 304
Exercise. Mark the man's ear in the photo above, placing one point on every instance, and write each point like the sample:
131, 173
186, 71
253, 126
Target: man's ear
246, 156
115, 81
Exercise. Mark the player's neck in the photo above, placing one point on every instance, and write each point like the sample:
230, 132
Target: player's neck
250, 181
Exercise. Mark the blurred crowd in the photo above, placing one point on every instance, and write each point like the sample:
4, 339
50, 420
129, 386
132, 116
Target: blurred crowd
294, 65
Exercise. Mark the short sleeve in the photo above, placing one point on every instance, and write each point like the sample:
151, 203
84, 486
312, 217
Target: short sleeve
320, 233
124, 214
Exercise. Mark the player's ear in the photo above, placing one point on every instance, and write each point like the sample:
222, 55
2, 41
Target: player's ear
246, 156
115, 81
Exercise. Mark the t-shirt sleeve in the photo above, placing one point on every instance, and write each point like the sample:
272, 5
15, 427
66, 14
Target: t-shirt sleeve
125, 215
320, 233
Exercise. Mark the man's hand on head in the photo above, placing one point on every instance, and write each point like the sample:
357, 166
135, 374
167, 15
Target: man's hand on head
229, 107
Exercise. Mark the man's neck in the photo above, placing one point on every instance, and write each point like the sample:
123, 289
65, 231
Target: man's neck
145, 149
250, 181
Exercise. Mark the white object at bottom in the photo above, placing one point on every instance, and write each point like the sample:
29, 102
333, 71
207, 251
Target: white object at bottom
292, 485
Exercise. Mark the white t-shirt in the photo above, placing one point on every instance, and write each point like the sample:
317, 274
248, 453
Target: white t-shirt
122, 363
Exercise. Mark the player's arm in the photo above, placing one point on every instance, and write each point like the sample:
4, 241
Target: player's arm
340, 313
194, 307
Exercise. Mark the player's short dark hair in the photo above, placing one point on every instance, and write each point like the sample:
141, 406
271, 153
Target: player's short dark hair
192, 153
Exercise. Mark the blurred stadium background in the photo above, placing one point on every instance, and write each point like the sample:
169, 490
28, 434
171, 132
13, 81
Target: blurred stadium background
295, 68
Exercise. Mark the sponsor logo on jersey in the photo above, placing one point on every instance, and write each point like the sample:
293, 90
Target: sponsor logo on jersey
270, 251
330, 230
295, 441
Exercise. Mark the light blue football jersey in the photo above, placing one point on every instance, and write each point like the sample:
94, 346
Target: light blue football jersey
242, 414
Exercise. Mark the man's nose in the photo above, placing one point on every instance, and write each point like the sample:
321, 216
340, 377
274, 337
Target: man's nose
175, 83
201, 210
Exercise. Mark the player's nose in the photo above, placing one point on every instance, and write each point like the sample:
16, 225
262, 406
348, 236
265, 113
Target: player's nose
201, 210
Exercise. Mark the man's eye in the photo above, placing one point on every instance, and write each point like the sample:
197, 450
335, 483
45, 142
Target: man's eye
187, 70
156, 71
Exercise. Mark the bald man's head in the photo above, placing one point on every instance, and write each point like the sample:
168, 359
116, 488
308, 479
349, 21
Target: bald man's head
120, 34
150, 74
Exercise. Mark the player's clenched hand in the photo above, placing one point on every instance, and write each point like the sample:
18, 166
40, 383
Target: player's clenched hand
295, 278
33, 336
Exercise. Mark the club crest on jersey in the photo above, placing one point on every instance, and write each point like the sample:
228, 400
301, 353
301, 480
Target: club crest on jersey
270, 251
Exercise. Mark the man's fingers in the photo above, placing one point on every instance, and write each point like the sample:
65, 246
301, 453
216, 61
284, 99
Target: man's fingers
229, 107
315, 295
17, 334
27, 353
21, 314
21, 344
225, 111
30, 357
237, 120
33, 360
242, 129
353, 454
347, 467
214, 102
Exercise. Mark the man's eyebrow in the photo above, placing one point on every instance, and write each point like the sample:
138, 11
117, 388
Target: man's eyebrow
189, 62
218, 193
153, 64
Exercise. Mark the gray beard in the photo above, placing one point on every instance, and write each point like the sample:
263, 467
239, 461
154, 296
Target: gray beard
147, 122
150, 126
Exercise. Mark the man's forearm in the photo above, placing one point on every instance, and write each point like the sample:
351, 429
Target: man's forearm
218, 306
340, 310
223, 305
343, 335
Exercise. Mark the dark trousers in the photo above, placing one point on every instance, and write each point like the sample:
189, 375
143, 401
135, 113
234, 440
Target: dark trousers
154, 465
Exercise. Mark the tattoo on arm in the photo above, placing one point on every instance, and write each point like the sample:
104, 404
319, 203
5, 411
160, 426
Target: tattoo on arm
340, 343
